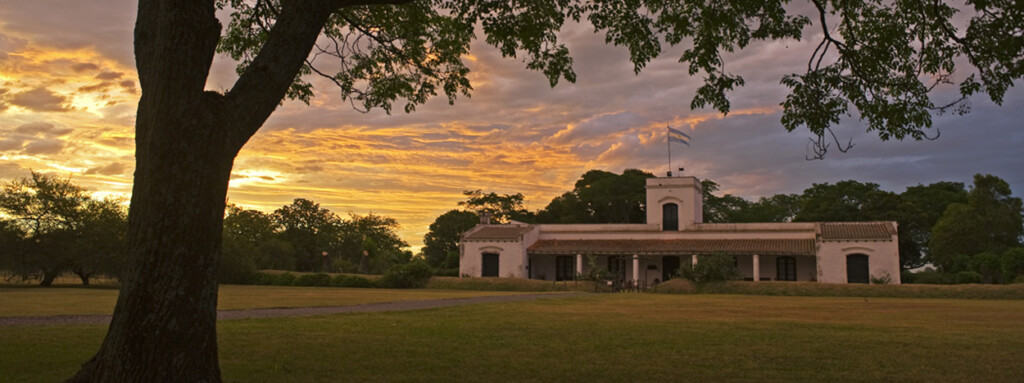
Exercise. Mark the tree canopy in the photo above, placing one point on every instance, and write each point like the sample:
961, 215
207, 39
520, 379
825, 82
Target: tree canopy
880, 60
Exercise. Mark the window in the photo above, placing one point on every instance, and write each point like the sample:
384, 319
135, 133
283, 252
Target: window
785, 269
564, 268
489, 265
670, 217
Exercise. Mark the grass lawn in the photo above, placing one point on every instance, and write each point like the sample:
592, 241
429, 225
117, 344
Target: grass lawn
607, 337
33, 301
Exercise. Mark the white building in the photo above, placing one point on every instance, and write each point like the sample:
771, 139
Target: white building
828, 252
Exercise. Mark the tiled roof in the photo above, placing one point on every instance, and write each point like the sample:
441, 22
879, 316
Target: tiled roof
838, 231
675, 246
498, 232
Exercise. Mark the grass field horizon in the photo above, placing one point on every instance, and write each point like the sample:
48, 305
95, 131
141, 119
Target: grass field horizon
600, 337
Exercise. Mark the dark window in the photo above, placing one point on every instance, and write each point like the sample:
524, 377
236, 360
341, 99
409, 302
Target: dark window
490, 265
669, 217
617, 267
785, 269
669, 267
857, 268
564, 268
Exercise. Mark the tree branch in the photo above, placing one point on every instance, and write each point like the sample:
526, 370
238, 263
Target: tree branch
260, 89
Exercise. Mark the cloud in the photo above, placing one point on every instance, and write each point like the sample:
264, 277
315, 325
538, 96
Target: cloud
44, 146
109, 75
10, 144
84, 67
115, 168
44, 129
41, 100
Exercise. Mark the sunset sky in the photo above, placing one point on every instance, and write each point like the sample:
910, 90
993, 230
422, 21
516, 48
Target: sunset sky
68, 91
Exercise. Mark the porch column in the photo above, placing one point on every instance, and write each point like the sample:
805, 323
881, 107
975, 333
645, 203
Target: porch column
693, 260
757, 268
636, 268
579, 264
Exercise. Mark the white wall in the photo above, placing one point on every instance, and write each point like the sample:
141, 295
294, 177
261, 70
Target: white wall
883, 259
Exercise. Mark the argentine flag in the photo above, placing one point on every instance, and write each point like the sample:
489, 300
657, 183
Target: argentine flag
678, 136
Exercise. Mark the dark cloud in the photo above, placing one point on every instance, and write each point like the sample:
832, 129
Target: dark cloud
84, 67
9, 144
40, 100
109, 75
44, 146
43, 129
112, 169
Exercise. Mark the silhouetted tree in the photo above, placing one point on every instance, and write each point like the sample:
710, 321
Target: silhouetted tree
501, 207
990, 222
441, 243
882, 60
600, 197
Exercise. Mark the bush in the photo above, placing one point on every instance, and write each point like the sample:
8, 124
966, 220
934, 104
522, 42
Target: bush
318, 279
453, 272
284, 279
1012, 264
351, 281
1020, 279
710, 268
883, 279
414, 274
968, 277
263, 279
933, 277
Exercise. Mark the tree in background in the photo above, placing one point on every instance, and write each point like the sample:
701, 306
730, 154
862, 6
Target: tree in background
920, 208
600, 197
311, 230
883, 61
100, 240
61, 229
500, 207
441, 243
371, 242
990, 222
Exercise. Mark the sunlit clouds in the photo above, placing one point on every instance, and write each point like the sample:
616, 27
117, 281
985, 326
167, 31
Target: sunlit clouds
68, 92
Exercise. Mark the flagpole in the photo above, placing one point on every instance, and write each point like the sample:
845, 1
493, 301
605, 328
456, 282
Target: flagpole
668, 143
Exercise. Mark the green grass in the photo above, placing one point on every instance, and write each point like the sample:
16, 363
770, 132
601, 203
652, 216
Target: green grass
607, 337
969, 291
507, 284
22, 301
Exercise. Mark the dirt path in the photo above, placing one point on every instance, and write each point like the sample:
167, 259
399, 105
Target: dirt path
299, 311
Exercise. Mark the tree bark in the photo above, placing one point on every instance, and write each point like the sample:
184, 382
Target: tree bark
164, 325
48, 277
84, 276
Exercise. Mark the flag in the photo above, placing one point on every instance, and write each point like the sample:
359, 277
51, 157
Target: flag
678, 136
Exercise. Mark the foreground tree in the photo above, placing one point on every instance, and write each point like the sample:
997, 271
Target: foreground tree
883, 61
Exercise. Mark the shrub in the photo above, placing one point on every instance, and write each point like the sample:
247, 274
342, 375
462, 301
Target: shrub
318, 279
263, 279
933, 277
968, 277
710, 268
1020, 279
452, 272
1012, 264
906, 276
414, 274
284, 279
351, 281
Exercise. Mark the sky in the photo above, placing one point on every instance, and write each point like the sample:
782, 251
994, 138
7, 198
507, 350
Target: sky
68, 92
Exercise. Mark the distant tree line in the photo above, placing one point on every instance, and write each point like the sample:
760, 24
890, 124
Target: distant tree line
50, 226
966, 234
303, 236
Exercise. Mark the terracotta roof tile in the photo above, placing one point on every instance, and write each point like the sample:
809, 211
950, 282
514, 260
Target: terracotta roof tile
837, 231
498, 232
676, 246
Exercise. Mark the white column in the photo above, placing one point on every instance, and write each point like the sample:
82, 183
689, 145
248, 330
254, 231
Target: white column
757, 268
693, 259
579, 264
636, 268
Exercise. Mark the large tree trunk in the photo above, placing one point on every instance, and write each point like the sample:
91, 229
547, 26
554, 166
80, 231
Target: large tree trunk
164, 324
